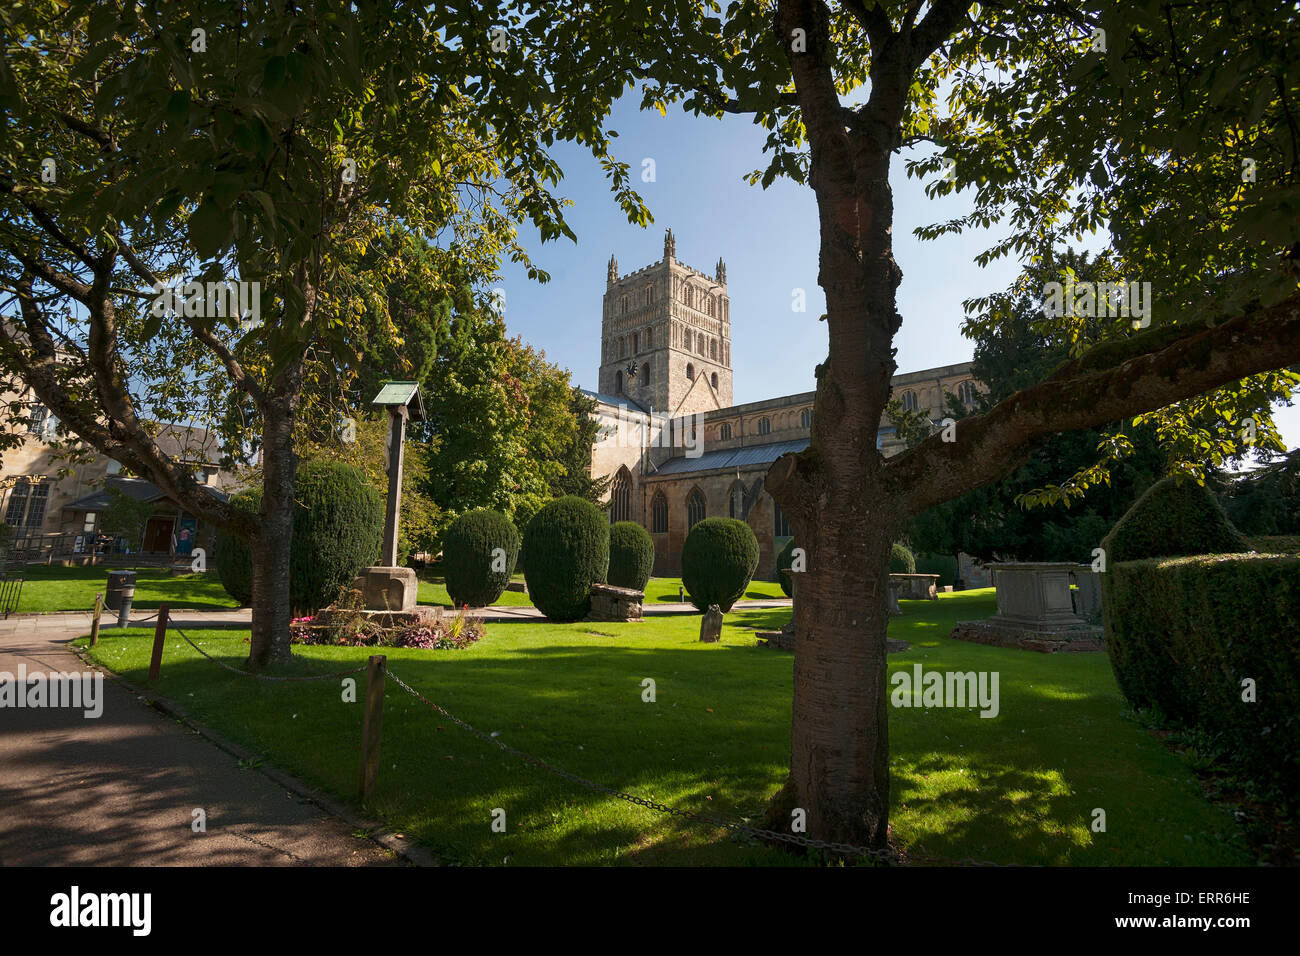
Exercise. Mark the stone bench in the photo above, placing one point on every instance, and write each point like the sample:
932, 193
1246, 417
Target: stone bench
609, 603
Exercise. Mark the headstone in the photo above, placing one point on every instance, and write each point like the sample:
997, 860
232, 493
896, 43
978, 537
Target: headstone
711, 625
894, 609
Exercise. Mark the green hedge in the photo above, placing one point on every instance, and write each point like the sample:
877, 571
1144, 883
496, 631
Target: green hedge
901, 560
783, 562
468, 557
631, 555
338, 529
718, 561
944, 565
1175, 516
567, 544
1182, 634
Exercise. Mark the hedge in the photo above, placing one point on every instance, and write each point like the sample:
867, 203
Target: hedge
1182, 634
567, 543
901, 560
1175, 516
631, 555
783, 562
470, 560
338, 528
718, 561
944, 565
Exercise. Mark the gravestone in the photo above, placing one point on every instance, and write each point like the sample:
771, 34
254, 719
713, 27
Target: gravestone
711, 625
609, 603
1035, 611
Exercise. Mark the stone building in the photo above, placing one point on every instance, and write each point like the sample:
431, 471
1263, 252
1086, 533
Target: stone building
675, 448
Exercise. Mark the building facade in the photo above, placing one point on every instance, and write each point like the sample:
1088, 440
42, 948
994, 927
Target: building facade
674, 447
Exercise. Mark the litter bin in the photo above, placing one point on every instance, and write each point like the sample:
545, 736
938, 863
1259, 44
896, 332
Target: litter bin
121, 586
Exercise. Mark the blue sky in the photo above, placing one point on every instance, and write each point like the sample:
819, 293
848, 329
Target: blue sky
769, 240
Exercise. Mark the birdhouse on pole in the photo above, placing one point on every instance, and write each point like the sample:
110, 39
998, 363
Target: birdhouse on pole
402, 399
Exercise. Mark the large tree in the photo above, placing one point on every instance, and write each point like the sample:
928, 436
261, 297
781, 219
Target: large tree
151, 142
1057, 133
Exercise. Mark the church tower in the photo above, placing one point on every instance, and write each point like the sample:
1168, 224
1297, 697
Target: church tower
666, 336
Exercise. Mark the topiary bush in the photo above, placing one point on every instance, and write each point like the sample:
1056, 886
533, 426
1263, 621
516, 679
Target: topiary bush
718, 562
567, 543
783, 562
469, 555
338, 529
631, 555
231, 553
901, 560
1175, 516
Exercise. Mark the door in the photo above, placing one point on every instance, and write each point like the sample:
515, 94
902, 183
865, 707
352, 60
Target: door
158, 533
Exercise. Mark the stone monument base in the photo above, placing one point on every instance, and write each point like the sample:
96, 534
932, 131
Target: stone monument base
609, 603
1045, 638
383, 619
387, 589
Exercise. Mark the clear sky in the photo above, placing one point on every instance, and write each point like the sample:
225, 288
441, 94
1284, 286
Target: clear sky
769, 240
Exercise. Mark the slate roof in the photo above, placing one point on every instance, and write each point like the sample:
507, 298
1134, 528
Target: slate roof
137, 488
612, 399
731, 458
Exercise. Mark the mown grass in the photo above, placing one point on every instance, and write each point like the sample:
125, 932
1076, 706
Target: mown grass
51, 588
1018, 788
658, 591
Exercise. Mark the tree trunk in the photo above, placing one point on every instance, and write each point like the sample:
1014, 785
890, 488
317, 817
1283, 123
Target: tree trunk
272, 606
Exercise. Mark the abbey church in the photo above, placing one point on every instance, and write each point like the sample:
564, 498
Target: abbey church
675, 447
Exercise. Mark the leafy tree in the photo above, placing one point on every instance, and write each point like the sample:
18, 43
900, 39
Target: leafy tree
270, 143
125, 517
1055, 137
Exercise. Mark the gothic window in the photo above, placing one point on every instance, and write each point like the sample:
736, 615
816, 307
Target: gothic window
660, 512
700, 345
618, 382
36, 509
649, 338
736, 503
18, 503
636, 342
713, 349
725, 431
624, 305
710, 305
695, 508
649, 295
764, 426
780, 527
714, 379
687, 339
690, 372
966, 392
620, 498
909, 400
805, 418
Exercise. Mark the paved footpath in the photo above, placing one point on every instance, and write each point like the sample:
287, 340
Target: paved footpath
121, 789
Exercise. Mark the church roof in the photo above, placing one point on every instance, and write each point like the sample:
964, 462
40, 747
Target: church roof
731, 458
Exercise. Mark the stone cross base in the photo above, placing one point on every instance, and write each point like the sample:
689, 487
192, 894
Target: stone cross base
387, 589
609, 603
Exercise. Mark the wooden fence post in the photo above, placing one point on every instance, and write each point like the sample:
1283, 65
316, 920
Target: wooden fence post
94, 625
371, 724
159, 636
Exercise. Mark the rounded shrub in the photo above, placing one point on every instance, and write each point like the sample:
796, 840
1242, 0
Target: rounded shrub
901, 559
631, 555
338, 529
783, 562
232, 555
1174, 517
718, 562
567, 543
476, 572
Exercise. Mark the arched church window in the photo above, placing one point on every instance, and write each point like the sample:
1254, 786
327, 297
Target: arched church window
618, 382
966, 392
659, 510
714, 379
724, 432
909, 400
620, 498
736, 502
690, 372
649, 295
623, 305
695, 508
780, 527
764, 426
636, 342
622, 346
805, 418
713, 349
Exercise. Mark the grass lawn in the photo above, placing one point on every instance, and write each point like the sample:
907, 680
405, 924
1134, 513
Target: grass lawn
1019, 788
658, 591
50, 588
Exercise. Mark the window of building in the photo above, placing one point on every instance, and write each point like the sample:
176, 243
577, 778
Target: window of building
710, 305
764, 426
649, 338
18, 503
700, 345
713, 349
780, 527
909, 400
659, 510
620, 498
690, 372
725, 431
36, 506
966, 392
649, 294
39, 418
805, 418
714, 379
695, 508
623, 305
88, 527
636, 342
618, 382
736, 502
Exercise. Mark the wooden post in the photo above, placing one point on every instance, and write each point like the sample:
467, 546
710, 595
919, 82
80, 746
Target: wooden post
159, 635
94, 625
370, 725
393, 509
